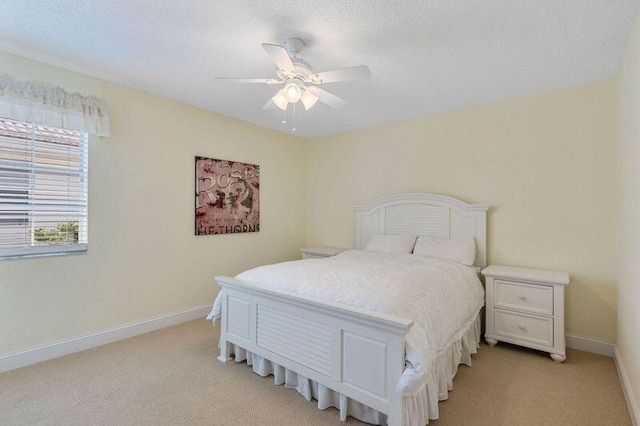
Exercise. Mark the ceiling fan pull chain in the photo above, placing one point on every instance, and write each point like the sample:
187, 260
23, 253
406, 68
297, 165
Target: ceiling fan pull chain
284, 116
294, 118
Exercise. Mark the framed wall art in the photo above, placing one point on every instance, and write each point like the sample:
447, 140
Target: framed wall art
227, 197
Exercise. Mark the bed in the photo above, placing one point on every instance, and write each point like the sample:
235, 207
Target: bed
365, 355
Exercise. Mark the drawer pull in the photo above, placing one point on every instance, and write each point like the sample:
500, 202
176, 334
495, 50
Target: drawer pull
522, 327
523, 297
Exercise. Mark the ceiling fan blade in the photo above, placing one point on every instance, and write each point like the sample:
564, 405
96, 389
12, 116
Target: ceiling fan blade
249, 80
344, 74
279, 55
328, 98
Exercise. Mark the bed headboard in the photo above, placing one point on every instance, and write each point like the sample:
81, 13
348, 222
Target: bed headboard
423, 214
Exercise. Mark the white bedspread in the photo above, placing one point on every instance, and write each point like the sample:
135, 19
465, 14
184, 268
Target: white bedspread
442, 297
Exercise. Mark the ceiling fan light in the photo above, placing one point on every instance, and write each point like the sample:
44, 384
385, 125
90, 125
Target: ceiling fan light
280, 100
308, 99
292, 92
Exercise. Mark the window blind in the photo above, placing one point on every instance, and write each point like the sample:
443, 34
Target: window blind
43, 189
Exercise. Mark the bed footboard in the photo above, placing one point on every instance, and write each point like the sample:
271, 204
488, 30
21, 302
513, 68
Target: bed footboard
355, 352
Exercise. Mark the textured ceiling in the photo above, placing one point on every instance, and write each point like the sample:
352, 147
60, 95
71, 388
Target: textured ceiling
424, 56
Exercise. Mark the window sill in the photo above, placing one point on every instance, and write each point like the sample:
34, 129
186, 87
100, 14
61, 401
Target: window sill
36, 252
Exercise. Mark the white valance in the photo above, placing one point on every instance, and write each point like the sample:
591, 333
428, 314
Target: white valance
49, 105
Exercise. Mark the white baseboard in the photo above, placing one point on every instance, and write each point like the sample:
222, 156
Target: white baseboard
588, 344
632, 402
13, 360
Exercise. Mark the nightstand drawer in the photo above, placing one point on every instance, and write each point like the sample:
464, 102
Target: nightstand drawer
538, 330
537, 299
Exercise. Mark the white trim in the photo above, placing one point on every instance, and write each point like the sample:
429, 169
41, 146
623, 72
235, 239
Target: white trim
632, 404
588, 344
55, 61
22, 358
42, 251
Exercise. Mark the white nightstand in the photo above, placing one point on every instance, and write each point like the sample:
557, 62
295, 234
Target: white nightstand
320, 252
526, 307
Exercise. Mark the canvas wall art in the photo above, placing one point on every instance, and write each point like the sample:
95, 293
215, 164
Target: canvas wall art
227, 197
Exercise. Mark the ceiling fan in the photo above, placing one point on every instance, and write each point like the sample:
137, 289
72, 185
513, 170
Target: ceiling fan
299, 81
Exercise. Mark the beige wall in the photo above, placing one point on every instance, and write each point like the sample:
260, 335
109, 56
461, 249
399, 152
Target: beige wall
628, 341
544, 163
143, 258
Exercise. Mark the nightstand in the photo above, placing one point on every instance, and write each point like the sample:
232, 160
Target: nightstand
526, 307
320, 252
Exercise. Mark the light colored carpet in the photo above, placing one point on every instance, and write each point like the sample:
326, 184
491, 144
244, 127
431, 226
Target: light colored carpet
171, 377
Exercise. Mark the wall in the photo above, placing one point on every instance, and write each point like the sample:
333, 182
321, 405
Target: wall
628, 341
143, 258
544, 163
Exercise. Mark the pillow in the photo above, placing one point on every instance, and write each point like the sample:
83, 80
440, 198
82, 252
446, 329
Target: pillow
461, 251
391, 243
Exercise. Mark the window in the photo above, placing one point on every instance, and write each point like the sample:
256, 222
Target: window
43, 190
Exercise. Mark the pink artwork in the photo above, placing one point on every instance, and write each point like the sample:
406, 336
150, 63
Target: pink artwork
227, 197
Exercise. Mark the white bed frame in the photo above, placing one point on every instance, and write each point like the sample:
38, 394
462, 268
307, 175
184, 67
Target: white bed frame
356, 352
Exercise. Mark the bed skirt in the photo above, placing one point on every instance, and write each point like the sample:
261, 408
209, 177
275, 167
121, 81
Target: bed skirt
419, 408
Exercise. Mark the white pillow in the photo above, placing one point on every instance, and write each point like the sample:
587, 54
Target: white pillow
391, 243
461, 251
